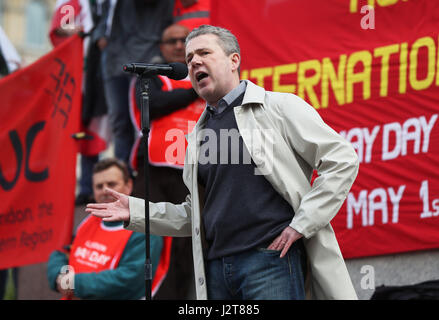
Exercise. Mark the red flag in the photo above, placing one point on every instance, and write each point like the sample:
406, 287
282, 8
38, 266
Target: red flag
40, 111
71, 15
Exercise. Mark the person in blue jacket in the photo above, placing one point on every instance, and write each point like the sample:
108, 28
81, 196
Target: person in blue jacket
104, 261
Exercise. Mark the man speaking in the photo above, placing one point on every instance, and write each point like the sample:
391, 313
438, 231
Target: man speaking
253, 216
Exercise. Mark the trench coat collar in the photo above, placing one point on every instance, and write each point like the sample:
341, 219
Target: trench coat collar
253, 94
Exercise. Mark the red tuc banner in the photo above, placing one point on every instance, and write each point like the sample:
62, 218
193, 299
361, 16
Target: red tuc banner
40, 110
371, 69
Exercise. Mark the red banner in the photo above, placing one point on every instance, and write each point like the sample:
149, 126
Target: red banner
373, 75
40, 110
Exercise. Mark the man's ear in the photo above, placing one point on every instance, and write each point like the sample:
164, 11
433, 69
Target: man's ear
236, 60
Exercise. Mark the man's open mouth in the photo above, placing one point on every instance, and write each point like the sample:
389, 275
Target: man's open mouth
200, 76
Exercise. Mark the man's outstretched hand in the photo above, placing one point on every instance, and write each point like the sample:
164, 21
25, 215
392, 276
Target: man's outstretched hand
118, 210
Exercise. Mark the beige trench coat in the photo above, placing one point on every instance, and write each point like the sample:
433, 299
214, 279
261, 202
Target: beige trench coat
302, 142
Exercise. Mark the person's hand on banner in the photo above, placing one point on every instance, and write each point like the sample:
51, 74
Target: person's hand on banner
68, 31
114, 211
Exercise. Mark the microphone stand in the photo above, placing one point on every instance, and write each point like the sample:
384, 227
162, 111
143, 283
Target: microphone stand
175, 71
145, 126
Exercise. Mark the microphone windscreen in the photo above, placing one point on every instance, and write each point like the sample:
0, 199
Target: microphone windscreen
128, 67
179, 71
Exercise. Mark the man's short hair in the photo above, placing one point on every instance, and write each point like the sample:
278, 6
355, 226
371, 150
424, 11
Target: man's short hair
227, 40
107, 163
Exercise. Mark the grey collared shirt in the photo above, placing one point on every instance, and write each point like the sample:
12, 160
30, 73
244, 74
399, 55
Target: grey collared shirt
228, 98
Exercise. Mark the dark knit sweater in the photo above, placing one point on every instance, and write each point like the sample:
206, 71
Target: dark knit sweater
242, 210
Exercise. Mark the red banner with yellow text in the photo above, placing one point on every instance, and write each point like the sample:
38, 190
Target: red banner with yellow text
40, 110
371, 69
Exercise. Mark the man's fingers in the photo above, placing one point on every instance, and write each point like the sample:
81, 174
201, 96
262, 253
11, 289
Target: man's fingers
277, 244
99, 210
280, 244
96, 206
286, 248
113, 193
110, 218
284, 241
274, 245
98, 214
106, 216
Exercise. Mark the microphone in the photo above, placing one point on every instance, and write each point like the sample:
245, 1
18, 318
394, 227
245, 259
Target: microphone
175, 71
